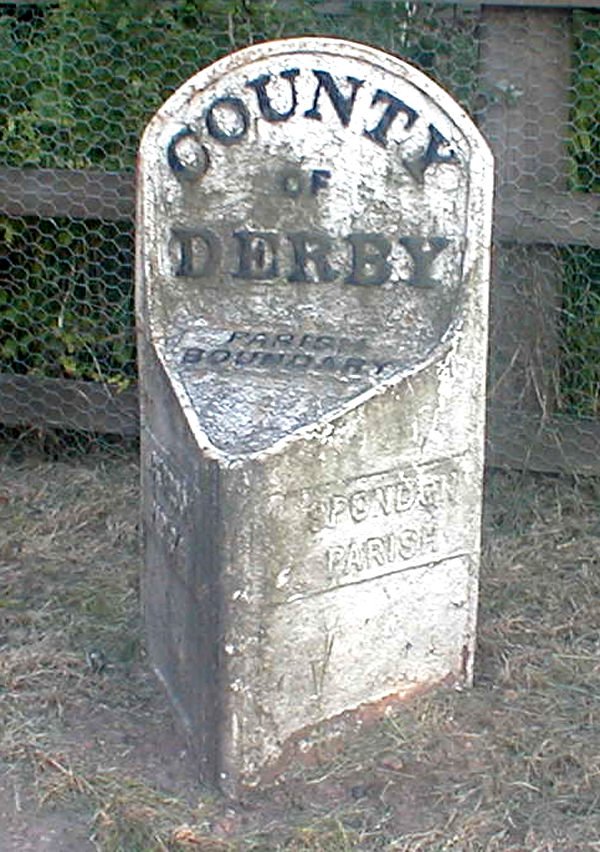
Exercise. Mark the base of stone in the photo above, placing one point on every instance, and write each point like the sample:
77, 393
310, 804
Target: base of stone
318, 744
314, 745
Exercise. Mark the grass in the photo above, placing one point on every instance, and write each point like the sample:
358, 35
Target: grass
513, 764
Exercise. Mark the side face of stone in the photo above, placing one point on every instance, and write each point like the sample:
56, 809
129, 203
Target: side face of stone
314, 223
181, 587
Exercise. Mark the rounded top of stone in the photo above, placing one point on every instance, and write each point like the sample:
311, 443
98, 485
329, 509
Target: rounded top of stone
313, 214
320, 45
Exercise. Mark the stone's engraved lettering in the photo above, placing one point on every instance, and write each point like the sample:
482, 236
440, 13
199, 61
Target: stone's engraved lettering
268, 359
244, 359
301, 362
383, 500
370, 254
227, 120
355, 366
375, 525
349, 560
317, 342
258, 259
297, 351
342, 104
174, 491
292, 182
394, 106
165, 528
264, 102
432, 155
319, 180
310, 248
392, 495
171, 498
423, 252
432, 489
187, 170
346, 367
258, 253
260, 338
199, 252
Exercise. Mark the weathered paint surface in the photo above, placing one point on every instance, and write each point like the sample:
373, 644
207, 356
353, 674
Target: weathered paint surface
314, 223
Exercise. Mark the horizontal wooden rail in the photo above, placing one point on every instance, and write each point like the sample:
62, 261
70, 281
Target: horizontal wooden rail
73, 194
68, 404
559, 444
341, 7
534, 4
559, 218
514, 439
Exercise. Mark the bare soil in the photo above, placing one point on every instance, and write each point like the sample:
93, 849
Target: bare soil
90, 758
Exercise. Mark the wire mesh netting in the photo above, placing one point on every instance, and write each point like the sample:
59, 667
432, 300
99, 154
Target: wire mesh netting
80, 80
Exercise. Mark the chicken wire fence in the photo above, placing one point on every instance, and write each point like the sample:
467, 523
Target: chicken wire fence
79, 80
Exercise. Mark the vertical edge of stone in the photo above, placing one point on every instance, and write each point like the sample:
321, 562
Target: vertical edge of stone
182, 598
245, 585
480, 220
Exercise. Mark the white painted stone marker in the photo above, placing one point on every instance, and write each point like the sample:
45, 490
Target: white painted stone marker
313, 233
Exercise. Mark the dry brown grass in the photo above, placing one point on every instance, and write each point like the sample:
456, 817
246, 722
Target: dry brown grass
513, 764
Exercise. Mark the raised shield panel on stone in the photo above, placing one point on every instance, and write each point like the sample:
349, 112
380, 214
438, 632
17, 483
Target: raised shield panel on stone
313, 232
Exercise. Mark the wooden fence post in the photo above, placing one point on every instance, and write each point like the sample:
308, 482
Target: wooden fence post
525, 58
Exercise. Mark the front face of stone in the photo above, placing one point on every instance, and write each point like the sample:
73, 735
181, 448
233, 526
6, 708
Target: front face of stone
372, 587
305, 228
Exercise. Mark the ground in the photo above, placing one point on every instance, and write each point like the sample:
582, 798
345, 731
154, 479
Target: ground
90, 758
